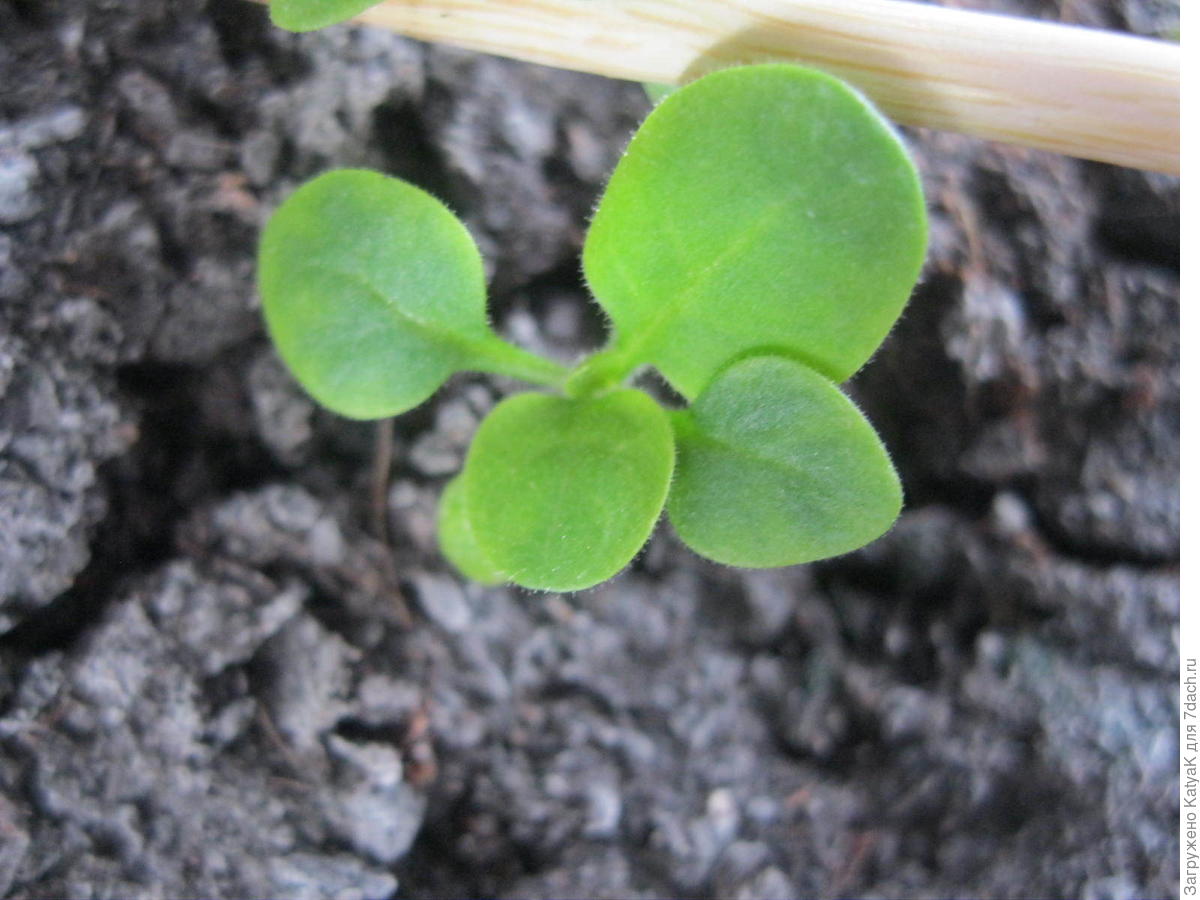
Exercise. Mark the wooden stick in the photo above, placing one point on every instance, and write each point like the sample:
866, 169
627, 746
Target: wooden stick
1078, 91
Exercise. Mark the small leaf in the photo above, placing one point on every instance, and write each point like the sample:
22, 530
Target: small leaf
562, 493
761, 205
309, 15
457, 537
777, 466
374, 294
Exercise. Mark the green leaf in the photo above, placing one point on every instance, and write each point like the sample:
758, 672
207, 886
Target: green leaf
759, 206
309, 15
372, 291
777, 466
457, 537
562, 493
374, 294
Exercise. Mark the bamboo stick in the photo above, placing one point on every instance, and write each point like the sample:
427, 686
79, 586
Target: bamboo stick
1082, 92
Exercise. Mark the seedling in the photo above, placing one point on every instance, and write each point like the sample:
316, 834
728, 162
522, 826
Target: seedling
755, 245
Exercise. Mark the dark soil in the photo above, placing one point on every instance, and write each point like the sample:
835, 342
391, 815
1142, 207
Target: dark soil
209, 683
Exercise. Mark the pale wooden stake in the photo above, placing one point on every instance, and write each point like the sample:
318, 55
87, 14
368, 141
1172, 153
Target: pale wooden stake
1078, 91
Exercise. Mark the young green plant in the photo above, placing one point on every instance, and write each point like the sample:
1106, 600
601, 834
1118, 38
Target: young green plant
754, 245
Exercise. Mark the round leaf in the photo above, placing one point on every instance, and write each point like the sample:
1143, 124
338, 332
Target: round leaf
762, 206
777, 466
562, 493
309, 15
457, 537
373, 292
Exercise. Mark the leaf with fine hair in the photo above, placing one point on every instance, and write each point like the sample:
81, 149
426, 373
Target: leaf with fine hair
457, 539
777, 466
374, 295
309, 15
763, 205
561, 493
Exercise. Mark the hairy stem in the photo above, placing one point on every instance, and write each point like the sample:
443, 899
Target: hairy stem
598, 374
502, 358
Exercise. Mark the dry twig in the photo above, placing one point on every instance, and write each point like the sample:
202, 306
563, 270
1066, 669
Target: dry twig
1078, 91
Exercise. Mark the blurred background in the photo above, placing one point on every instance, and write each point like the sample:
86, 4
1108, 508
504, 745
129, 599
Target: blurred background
216, 680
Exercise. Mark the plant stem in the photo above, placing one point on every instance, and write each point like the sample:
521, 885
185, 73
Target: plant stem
502, 358
598, 374
381, 469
